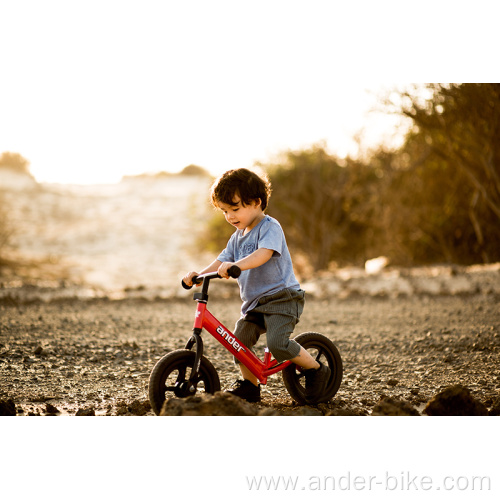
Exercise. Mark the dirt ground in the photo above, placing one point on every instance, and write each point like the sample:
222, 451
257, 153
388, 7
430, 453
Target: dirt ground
95, 356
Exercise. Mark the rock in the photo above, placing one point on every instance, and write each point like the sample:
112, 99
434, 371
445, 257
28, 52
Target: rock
393, 382
218, 404
394, 407
306, 411
139, 407
342, 412
303, 411
121, 409
455, 401
51, 410
495, 409
375, 266
88, 412
7, 408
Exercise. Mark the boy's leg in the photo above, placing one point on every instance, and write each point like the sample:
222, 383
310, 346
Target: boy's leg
248, 375
281, 312
305, 360
316, 375
248, 330
280, 324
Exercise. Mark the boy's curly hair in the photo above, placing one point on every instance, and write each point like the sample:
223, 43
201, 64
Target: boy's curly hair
241, 182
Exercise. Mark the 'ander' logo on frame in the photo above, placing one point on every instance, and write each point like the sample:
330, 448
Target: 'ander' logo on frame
230, 339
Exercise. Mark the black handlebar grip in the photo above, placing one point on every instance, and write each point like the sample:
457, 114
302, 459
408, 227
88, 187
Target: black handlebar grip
194, 280
186, 287
234, 271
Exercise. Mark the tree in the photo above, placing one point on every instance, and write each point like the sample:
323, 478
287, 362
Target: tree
194, 170
461, 124
16, 162
422, 214
322, 203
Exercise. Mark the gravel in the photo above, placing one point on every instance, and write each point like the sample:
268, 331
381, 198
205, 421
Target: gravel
93, 357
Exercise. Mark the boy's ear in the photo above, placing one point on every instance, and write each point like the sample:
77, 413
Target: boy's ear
258, 202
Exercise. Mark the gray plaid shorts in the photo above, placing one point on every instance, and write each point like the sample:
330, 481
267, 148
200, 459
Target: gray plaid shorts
276, 315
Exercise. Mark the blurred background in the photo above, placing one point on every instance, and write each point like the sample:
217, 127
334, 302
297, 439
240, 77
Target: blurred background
115, 117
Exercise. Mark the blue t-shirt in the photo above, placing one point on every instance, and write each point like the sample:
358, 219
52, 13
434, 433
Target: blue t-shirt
269, 278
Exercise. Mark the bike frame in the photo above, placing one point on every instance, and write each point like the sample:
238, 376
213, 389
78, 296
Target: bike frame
261, 369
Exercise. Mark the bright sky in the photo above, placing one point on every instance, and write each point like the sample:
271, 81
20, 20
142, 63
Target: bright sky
93, 90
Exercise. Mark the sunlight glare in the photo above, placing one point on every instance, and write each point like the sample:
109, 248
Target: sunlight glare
101, 90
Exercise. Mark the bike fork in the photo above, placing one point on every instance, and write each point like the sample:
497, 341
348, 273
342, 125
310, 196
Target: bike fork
196, 341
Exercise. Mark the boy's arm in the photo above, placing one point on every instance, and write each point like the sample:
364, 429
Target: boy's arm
255, 259
212, 267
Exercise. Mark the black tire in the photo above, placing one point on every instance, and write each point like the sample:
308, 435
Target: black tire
173, 370
322, 349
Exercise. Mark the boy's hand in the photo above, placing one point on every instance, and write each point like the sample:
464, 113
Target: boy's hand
188, 279
222, 271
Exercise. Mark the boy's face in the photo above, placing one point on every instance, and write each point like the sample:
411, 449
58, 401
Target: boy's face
242, 216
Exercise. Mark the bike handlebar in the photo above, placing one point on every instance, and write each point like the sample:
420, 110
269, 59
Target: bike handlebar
234, 272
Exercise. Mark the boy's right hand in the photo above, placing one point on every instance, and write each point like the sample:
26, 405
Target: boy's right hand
188, 279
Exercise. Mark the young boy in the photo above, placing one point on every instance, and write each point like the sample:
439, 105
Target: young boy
272, 298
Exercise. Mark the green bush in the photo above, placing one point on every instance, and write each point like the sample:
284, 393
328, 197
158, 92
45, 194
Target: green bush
323, 205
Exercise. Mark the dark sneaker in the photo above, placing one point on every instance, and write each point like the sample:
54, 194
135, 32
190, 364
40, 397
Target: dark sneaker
244, 389
316, 382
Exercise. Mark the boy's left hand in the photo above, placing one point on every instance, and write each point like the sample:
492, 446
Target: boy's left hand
222, 271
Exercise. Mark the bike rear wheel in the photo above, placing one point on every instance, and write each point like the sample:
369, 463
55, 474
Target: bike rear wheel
171, 377
321, 349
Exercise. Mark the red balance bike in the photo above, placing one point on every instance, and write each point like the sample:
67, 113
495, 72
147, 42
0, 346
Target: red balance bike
186, 371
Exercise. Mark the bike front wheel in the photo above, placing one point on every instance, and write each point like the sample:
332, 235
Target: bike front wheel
171, 377
321, 349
